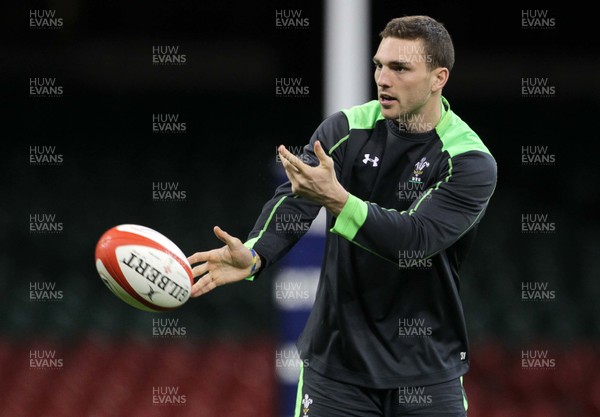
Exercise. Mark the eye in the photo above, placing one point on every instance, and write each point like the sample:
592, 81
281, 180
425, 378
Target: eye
377, 65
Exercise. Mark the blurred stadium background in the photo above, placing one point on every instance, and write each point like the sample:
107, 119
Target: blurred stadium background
69, 348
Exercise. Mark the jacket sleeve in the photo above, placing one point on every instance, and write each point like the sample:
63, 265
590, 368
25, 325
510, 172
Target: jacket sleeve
286, 217
445, 212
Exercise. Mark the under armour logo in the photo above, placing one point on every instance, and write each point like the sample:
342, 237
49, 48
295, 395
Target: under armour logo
369, 159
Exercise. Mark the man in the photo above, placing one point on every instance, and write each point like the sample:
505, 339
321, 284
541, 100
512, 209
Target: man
405, 183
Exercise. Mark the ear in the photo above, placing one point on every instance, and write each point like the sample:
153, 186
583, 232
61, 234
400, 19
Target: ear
439, 78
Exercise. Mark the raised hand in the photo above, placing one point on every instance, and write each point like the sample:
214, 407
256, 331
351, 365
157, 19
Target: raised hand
230, 263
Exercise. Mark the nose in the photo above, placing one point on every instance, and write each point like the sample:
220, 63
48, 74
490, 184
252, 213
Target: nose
383, 78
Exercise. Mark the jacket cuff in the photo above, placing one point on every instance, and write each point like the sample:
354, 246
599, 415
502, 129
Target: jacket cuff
351, 218
250, 244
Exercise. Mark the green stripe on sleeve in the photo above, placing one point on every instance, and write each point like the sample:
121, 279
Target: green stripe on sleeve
270, 217
351, 218
299, 393
342, 140
250, 243
465, 401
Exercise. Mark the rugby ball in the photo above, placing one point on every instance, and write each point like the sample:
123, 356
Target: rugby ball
143, 268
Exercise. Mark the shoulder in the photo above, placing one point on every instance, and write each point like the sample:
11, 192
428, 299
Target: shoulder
363, 116
336, 128
457, 136
468, 154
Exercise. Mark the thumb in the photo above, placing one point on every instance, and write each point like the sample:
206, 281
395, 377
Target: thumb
324, 159
224, 236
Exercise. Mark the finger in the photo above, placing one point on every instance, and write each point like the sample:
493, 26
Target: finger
225, 237
320, 152
198, 287
289, 168
291, 158
198, 257
203, 285
291, 172
200, 270
287, 165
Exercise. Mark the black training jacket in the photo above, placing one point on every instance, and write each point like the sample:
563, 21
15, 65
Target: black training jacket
388, 311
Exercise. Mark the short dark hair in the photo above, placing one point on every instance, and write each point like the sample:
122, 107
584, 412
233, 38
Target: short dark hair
436, 39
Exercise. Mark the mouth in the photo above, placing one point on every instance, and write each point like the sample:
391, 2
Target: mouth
386, 99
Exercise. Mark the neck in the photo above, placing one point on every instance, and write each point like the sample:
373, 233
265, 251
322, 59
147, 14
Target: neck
422, 119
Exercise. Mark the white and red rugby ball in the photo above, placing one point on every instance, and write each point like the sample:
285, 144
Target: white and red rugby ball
144, 268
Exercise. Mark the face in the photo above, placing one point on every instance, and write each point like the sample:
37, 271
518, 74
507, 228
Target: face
404, 83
